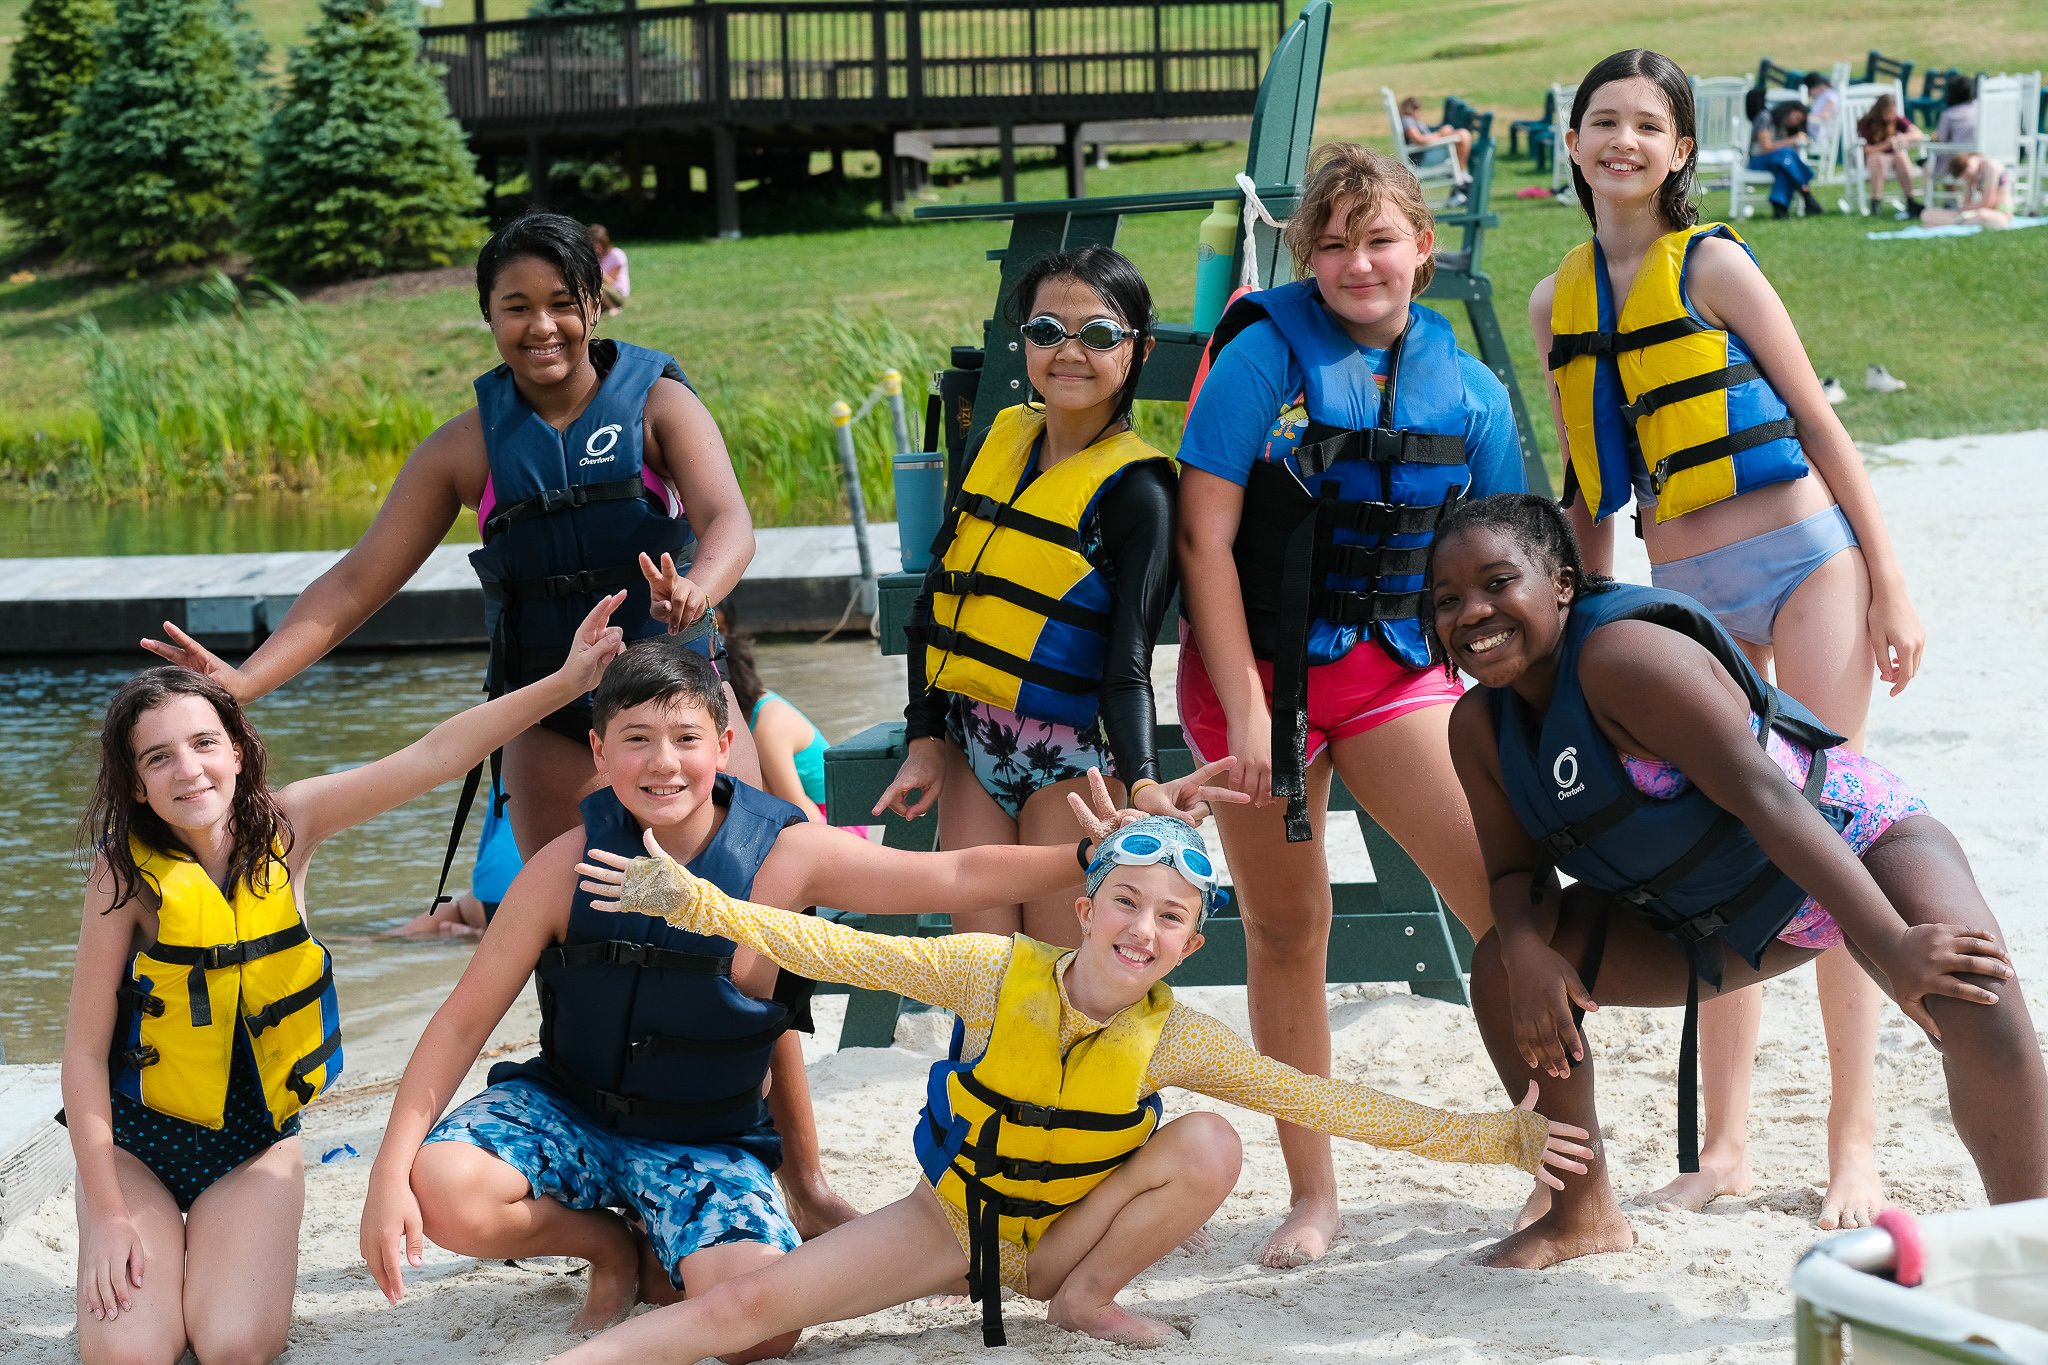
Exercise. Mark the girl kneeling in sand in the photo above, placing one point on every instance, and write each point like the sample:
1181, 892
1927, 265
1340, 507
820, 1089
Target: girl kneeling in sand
1622, 737
1048, 1169
203, 1013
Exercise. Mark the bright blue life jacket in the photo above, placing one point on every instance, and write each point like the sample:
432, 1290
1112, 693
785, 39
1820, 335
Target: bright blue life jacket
641, 1024
1333, 541
571, 513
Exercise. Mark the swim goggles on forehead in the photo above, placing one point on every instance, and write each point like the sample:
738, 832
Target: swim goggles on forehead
1143, 850
1100, 334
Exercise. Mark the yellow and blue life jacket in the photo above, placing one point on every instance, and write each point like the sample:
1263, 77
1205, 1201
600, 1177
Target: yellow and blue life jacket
1018, 1136
220, 968
1656, 391
1020, 618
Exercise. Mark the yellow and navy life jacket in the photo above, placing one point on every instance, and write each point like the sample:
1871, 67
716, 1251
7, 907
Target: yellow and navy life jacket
1660, 391
219, 969
1018, 1136
1020, 619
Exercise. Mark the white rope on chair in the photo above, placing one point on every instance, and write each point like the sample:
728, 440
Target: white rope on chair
1254, 214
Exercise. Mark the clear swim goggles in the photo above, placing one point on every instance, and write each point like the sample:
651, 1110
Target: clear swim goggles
1142, 850
1100, 334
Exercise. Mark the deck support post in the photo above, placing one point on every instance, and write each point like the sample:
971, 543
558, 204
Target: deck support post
1006, 159
536, 173
725, 182
892, 175
1077, 163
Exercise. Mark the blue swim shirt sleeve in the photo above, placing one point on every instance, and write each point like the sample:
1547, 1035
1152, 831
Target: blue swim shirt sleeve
1244, 392
1491, 443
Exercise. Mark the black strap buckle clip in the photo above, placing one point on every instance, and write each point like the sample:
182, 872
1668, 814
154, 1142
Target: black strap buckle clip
1701, 927
1040, 1171
1029, 1115
620, 954
224, 955
961, 582
1563, 843
614, 1104
1600, 343
554, 500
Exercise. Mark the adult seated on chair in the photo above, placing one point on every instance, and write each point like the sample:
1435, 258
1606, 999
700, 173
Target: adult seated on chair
1888, 138
1775, 138
1459, 140
1823, 101
1958, 123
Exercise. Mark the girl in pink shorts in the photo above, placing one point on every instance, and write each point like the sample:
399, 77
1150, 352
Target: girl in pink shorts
1338, 423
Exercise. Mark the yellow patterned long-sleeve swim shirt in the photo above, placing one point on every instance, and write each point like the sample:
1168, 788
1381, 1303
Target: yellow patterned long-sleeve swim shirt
964, 973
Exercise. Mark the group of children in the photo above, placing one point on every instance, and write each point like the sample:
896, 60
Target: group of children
1350, 532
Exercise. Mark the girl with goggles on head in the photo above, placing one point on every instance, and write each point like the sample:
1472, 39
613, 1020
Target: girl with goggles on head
1048, 1165
1031, 644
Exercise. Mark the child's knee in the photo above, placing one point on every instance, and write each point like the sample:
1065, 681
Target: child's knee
1210, 1154
454, 1211
772, 1349
238, 1343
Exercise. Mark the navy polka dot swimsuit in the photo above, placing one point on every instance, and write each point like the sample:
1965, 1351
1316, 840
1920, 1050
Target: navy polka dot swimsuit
188, 1157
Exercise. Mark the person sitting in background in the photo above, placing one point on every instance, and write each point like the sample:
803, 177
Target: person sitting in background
1420, 134
1888, 138
1823, 101
1986, 199
1958, 123
1775, 138
792, 748
618, 285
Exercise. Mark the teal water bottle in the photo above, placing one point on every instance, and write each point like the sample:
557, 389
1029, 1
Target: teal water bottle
1212, 264
920, 505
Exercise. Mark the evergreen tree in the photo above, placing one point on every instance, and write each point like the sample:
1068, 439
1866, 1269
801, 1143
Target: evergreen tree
164, 141
53, 57
364, 169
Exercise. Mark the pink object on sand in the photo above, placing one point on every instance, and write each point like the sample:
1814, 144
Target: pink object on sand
1912, 1258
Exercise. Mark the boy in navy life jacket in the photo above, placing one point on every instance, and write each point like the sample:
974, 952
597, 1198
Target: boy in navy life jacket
655, 1042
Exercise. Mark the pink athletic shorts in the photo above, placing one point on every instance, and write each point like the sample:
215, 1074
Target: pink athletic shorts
1365, 688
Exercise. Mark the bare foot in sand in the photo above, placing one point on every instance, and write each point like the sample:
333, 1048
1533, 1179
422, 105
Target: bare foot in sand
1310, 1228
816, 1210
1195, 1243
1111, 1323
1534, 1207
1545, 1242
1855, 1192
612, 1292
1700, 1188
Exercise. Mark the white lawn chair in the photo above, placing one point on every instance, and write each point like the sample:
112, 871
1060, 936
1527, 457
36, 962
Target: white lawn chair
1998, 136
1722, 133
1434, 165
1827, 151
1560, 124
1857, 100
2026, 174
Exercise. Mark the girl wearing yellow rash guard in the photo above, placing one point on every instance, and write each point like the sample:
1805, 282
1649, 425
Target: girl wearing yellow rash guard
1680, 382
203, 1013
1049, 1105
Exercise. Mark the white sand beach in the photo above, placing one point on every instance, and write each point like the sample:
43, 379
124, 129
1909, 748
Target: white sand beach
1970, 734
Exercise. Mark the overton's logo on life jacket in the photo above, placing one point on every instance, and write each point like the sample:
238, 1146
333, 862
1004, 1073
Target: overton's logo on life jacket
598, 449
1566, 771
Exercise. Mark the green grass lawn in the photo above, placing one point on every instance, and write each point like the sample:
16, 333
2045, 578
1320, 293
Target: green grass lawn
1963, 321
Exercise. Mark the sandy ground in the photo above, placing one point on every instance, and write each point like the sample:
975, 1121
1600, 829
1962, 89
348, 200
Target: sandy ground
1697, 1288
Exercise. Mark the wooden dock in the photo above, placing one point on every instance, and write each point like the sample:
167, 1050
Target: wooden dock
799, 580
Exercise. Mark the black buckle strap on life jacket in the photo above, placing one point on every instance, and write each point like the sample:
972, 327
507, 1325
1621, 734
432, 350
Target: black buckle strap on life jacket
310, 1063
973, 583
626, 1106
951, 641
1388, 518
1569, 346
999, 513
557, 586
1721, 446
660, 1046
136, 1058
1381, 446
618, 952
277, 1011
1374, 561
132, 995
551, 500
221, 955
1041, 1116
1679, 390
1344, 607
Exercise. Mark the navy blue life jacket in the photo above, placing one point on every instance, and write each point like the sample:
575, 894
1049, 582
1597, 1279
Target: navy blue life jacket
1691, 867
1333, 541
572, 511
641, 1024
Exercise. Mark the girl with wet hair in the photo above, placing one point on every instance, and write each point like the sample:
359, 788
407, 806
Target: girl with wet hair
203, 1012
1031, 643
1680, 384
1718, 833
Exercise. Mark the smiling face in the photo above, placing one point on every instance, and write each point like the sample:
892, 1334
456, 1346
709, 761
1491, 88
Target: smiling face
1366, 271
662, 759
542, 330
1137, 927
1069, 376
1498, 613
1627, 142
185, 764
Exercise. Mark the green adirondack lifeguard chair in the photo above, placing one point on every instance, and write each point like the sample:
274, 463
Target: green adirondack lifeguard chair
1393, 929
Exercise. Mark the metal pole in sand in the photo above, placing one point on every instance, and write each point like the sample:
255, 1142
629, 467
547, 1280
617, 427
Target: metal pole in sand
856, 501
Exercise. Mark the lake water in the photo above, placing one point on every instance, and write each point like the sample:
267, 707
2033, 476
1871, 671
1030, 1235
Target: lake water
252, 523
338, 714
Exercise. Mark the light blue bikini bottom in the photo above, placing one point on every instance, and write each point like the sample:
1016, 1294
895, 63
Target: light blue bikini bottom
1748, 583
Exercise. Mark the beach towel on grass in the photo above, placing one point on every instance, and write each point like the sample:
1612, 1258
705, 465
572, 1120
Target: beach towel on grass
1952, 230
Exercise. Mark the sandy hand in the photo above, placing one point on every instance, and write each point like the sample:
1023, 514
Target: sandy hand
656, 885
1558, 1148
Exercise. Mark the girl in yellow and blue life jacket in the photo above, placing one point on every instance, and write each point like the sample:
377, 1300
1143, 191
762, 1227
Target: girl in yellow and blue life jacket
1679, 382
1049, 1166
203, 1012
1031, 657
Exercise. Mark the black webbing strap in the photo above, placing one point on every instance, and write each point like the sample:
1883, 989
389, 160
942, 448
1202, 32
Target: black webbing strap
1562, 843
557, 586
1721, 446
1569, 346
1388, 518
616, 952
973, 583
659, 1046
1290, 669
310, 1063
231, 954
1381, 446
1373, 561
1343, 607
967, 647
132, 995
1679, 390
1689, 1078
552, 500
986, 508
625, 1106
1041, 1116
277, 1011
470, 783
